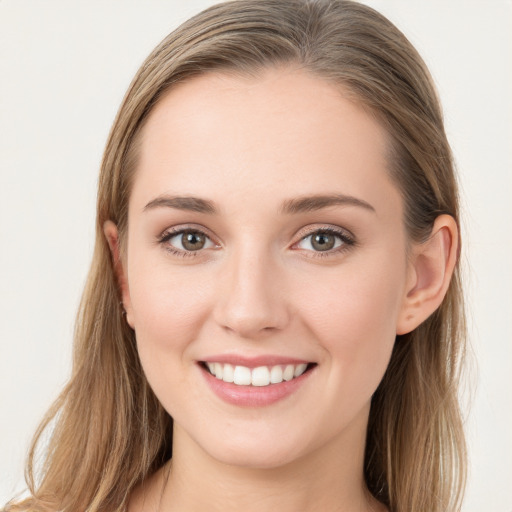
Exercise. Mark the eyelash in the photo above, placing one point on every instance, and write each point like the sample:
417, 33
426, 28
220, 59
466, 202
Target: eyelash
167, 235
347, 240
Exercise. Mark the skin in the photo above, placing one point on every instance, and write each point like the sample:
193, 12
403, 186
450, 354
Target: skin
260, 287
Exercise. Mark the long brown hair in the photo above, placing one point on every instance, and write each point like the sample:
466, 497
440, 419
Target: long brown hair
108, 430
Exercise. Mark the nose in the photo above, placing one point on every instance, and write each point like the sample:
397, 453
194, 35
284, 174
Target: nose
251, 300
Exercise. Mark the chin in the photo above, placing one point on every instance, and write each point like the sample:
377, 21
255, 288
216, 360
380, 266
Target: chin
256, 457
248, 448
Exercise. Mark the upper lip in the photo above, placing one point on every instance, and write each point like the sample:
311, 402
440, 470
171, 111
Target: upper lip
254, 361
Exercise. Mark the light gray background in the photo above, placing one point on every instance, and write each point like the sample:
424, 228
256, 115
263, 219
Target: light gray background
65, 66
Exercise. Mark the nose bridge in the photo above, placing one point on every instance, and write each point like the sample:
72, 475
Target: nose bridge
251, 299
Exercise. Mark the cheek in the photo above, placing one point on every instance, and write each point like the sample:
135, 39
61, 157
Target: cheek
167, 303
168, 309
353, 315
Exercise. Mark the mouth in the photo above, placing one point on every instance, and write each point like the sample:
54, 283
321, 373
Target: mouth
260, 376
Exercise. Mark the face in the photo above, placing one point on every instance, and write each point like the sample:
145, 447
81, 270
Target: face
266, 264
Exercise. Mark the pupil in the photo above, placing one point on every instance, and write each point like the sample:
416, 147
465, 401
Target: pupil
193, 241
323, 241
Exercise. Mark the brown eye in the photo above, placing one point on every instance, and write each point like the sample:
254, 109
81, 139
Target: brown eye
193, 240
326, 240
187, 240
322, 241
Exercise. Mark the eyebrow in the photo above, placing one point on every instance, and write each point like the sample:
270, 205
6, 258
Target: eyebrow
290, 206
192, 204
317, 202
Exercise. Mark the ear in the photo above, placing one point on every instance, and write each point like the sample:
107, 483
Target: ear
431, 269
112, 236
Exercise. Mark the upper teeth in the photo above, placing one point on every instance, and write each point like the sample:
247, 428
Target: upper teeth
260, 376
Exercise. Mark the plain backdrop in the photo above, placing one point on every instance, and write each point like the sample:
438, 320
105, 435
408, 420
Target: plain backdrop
65, 66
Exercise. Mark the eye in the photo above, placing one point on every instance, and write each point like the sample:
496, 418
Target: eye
325, 240
186, 240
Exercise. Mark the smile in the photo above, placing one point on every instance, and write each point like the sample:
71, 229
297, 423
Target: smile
255, 381
259, 376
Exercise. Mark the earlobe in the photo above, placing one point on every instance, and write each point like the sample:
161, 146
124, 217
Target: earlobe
432, 266
112, 235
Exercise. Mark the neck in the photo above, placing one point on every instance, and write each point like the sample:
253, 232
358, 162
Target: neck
329, 478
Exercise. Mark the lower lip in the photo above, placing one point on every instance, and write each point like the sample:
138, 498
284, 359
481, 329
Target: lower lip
254, 396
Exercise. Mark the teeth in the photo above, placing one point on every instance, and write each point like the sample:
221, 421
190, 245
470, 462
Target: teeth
299, 369
242, 375
288, 372
276, 375
219, 370
228, 373
260, 376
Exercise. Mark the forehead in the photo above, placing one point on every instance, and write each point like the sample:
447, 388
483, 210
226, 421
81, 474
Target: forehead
282, 133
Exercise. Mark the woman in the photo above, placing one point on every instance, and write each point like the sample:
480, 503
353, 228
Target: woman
274, 313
